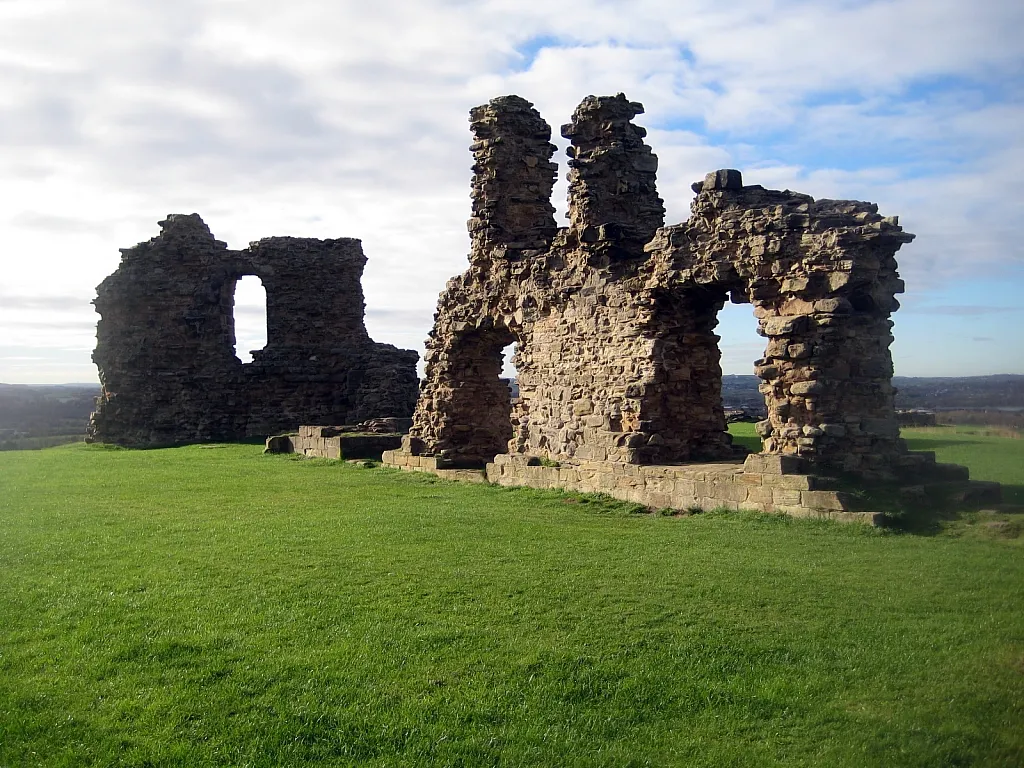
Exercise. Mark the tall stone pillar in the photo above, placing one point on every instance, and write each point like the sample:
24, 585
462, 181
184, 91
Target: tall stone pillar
464, 411
512, 179
827, 370
613, 195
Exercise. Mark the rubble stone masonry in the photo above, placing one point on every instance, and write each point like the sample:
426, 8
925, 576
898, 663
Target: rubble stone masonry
165, 341
613, 318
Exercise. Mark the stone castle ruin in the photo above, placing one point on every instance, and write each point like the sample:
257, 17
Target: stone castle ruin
613, 319
165, 342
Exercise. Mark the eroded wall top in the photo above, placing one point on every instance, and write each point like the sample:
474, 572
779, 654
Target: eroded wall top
165, 341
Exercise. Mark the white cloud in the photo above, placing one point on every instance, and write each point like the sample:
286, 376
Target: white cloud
349, 119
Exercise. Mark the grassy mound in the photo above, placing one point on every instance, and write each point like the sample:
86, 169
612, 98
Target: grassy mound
213, 606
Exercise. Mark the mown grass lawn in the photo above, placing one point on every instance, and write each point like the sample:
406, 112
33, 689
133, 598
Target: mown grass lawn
213, 606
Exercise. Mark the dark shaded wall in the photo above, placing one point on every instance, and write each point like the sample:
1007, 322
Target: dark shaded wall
165, 341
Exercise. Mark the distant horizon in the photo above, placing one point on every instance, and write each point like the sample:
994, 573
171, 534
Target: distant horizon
85, 384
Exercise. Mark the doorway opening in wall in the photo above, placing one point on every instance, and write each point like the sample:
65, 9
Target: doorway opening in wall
479, 406
700, 336
740, 346
250, 317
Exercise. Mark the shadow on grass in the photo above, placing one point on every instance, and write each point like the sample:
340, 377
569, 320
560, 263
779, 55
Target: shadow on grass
929, 444
921, 522
160, 447
1005, 519
751, 442
1014, 494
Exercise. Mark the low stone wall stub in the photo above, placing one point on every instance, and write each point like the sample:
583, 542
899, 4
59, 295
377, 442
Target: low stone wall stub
729, 485
916, 417
328, 443
400, 459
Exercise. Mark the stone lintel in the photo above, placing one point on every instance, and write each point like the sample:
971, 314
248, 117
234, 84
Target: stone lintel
727, 178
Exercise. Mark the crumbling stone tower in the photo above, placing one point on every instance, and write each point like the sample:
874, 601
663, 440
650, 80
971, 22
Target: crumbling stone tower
165, 341
614, 315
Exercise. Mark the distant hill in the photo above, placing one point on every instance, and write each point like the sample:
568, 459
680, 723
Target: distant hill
1003, 391
966, 393
59, 409
63, 409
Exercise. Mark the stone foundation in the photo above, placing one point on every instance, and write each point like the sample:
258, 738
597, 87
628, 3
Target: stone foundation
763, 482
400, 459
333, 443
681, 487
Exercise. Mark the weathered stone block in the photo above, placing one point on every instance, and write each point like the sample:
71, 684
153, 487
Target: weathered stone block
759, 497
279, 444
725, 179
773, 464
832, 500
656, 500
794, 482
786, 497
731, 492
808, 387
784, 326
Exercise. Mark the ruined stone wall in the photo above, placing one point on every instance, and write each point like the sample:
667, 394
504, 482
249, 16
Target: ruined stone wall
587, 360
465, 414
614, 315
821, 276
165, 341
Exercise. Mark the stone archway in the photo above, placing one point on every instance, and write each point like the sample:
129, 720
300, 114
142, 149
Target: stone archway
476, 409
684, 403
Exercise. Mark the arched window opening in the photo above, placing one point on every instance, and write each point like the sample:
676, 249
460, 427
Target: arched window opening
701, 336
740, 345
250, 317
480, 404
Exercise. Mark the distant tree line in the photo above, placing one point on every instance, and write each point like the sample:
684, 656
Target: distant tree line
34, 417
40, 412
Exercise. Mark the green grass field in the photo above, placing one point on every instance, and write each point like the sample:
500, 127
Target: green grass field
213, 606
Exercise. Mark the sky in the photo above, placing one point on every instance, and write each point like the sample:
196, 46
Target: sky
350, 119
